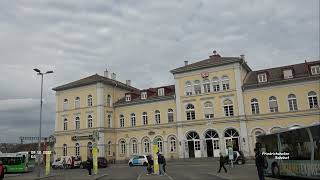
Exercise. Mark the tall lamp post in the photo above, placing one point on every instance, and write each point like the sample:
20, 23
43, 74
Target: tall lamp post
41, 102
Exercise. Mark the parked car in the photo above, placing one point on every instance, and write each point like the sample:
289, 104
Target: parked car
138, 161
102, 163
238, 158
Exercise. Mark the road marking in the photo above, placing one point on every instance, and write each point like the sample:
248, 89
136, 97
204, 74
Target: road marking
169, 176
139, 176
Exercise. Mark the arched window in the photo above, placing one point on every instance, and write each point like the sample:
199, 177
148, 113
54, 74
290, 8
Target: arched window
65, 124
157, 116
65, 150
206, 85
172, 141
216, 85
193, 135
109, 101
188, 88
77, 102
134, 146
273, 104
232, 138
275, 129
123, 147
213, 136
145, 118
121, 120
197, 87
160, 144
77, 150
89, 100
77, 123
146, 146
208, 110
313, 100
109, 120
228, 107
170, 115
109, 148
292, 101
254, 106
65, 104
133, 119
191, 114
231, 133
89, 121
225, 83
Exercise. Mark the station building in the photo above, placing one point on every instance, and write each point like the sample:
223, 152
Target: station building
212, 102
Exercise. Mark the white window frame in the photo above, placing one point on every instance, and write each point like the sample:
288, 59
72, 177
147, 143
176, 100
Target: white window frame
254, 103
128, 97
292, 103
123, 147
143, 95
288, 74
90, 121
134, 144
197, 87
225, 83
77, 102
161, 92
229, 108
206, 86
262, 78
65, 124
146, 146
90, 99
188, 88
145, 118
313, 100
77, 122
315, 69
170, 115
157, 116
208, 106
216, 84
77, 149
273, 109
121, 119
190, 113
172, 142
160, 144
133, 119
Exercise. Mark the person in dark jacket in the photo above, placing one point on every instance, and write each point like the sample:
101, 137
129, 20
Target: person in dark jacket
89, 165
161, 161
1, 170
222, 162
150, 165
260, 163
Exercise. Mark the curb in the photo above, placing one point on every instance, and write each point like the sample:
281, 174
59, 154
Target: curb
101, 176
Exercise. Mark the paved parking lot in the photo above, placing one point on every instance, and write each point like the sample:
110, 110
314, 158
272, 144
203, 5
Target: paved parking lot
179, 170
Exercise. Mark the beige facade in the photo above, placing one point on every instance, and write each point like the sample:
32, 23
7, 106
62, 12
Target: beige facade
212, 102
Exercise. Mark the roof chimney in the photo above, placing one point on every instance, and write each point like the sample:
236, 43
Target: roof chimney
128, 82
185, 63
215, 54
106, 73
242, 56
113, 76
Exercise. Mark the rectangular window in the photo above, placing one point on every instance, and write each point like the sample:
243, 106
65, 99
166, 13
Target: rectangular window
206, 87
228, 110
128, 97
143, 95
161, 92
287, 74
262, 78
170, 117
191, 115
77, 124
188, 91
273, 105
196, 145
315, 69
216, 87
197, 89
293, 105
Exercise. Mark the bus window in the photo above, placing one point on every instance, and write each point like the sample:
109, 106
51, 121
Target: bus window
297, 143
268, 143
315, 131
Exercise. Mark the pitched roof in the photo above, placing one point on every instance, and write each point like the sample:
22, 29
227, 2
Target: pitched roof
93, 80
213, 61
275, 75
151, 98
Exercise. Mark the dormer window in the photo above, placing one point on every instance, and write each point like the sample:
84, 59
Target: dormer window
315, 69
161, 92
287, 74
262, 78
128, 97
143, 95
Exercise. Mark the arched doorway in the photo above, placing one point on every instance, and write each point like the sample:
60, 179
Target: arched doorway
193, 141
232, 138
212, 142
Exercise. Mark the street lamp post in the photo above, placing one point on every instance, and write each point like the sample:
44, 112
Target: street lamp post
41, 102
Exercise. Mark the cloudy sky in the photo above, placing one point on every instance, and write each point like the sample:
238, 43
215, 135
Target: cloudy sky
138, 40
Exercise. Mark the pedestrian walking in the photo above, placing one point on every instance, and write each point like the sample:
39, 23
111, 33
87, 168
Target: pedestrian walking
89, 165
260, 163
1, 170
222, 162
161, 162
150, 165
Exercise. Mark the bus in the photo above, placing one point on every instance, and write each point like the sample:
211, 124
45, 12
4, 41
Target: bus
292, 152
15, 162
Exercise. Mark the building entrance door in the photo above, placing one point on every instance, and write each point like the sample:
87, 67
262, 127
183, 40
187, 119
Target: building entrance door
193, 144
191, 149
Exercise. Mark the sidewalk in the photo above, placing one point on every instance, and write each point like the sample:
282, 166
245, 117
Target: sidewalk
54, 175
239, 173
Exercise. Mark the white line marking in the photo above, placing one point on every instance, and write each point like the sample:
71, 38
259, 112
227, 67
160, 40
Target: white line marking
169, 177
139, 176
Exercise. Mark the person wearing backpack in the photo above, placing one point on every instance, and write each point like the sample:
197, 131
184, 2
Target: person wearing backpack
260, 163
161, 162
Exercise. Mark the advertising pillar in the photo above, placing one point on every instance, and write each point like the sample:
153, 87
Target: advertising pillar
155, 157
